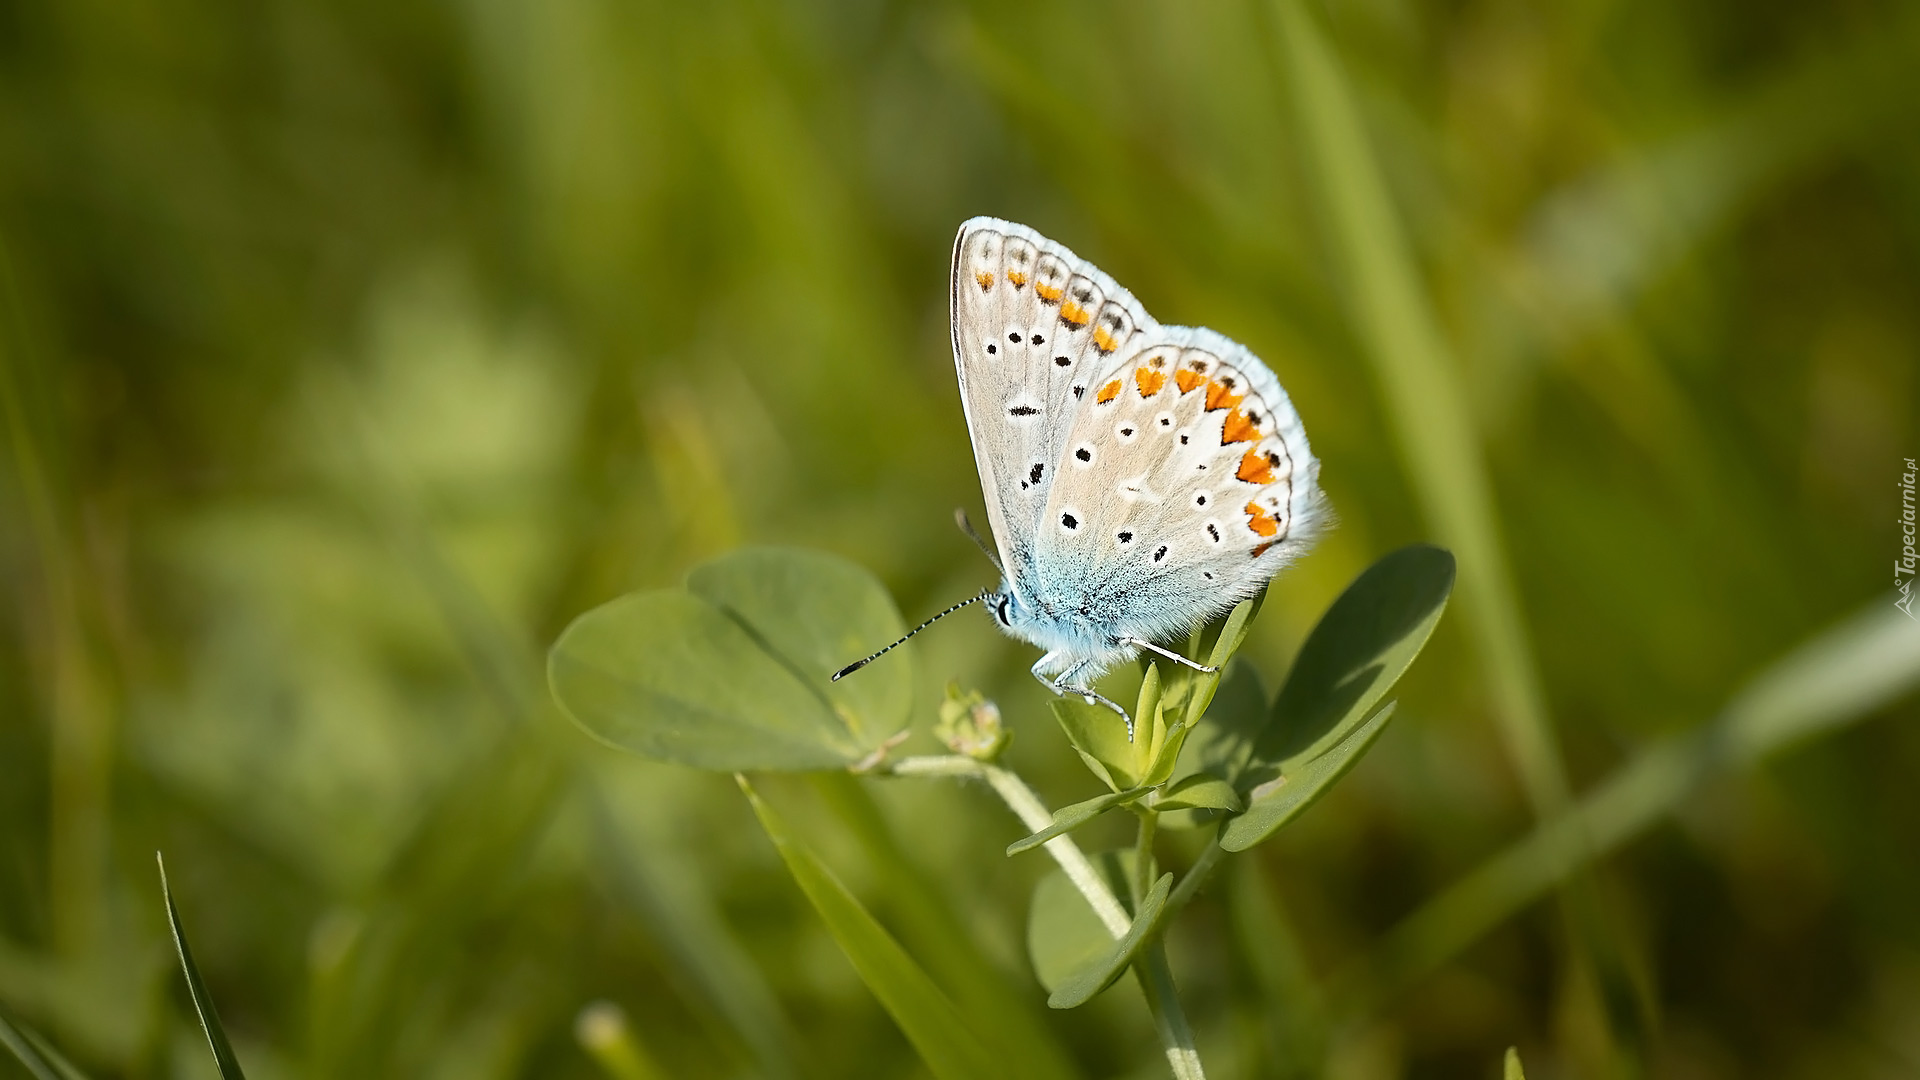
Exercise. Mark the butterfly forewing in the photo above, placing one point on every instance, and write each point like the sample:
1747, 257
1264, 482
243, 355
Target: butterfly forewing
1035, 331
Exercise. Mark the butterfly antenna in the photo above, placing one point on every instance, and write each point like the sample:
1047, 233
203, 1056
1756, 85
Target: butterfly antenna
960, 519
858, 664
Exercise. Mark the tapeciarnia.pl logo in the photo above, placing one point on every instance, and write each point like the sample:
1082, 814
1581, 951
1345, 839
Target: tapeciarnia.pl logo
1903, 567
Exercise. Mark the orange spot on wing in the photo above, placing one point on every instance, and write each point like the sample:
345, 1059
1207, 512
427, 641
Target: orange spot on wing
985, 279
1017, 278
1255, 468
1049, 293
1238, 428
1187, 380
1074, 315
1220, 396
1261, 522
1109, 392
1149, 381
1103, 340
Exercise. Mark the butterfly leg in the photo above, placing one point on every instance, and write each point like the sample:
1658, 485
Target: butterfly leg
1168, 653
1061, 686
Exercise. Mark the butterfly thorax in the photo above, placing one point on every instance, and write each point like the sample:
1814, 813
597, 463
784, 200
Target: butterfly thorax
1072, 629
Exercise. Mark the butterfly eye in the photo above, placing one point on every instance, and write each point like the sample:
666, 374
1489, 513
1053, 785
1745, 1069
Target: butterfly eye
1000, 612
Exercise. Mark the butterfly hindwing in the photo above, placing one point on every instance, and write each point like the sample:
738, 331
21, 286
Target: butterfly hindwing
1035, 331
1184, 485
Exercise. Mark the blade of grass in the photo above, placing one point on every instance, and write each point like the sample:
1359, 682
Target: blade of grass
1417, 376
1832, 681
202, 1001
1433, 430
924, 914
937, 1030
672, 896
34, 1053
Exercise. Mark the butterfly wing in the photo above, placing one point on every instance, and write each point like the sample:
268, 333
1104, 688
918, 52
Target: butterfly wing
1185, 483
1035, 329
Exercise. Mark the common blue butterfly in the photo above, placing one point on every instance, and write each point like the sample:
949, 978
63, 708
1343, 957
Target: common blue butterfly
1139, 479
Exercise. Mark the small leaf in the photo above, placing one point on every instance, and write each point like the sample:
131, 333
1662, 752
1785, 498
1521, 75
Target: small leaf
1280, 800
1081, 987
930, 1021
1512, 1071
223, 1057
1149, 726
1068, 818
1200, 791
1359, 649
1101, 739
1239, 712
733, 672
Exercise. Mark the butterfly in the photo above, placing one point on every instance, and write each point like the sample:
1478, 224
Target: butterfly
1140, 479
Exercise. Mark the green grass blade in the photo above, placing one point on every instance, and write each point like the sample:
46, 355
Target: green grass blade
929, 1020
1832, 681
1511, 1069
202, 1001
33, 1052
1417, 375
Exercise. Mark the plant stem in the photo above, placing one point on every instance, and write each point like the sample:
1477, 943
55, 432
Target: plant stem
1196, 876
1143, 875
1035, 816
1163, 1001
1151, 969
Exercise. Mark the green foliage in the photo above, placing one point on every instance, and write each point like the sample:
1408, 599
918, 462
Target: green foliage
33, 1053
1326, 715
938, 1031
348, 352
731, 673
223, 1056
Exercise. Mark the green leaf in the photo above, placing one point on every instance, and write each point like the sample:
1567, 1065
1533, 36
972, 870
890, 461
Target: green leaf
1100, 973
228, 1064
1200, 791
818, 612
1220, 742
1280, 800
733, 672
39, 1058
1360, 648
929, 1020
1101, 739
1512, 1070
1218, 642
1063, 934
1068, 818
1150, 727
1074, 955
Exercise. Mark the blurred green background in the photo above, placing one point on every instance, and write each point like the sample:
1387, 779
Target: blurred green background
351, 349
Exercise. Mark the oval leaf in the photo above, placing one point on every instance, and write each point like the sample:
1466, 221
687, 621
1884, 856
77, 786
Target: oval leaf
817, 613
731, 676
1100, 737
1280, 800
1360, 648
1200, 792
